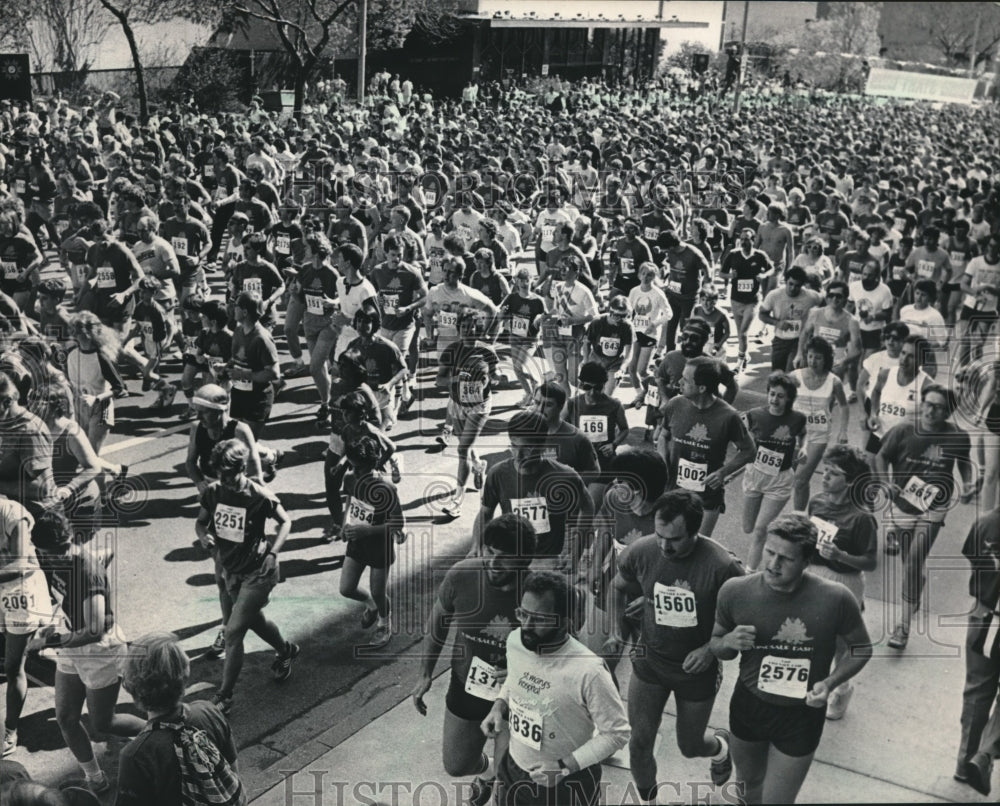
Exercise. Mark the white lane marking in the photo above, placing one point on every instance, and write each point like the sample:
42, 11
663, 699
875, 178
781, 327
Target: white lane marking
131, 443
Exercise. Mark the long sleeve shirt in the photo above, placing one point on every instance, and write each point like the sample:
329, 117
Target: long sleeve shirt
561, 704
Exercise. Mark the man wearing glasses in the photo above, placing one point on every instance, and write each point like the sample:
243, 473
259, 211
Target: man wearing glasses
560, 703
835, 325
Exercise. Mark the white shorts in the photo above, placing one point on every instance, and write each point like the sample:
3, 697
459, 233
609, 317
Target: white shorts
98, 665
778, 488
25, 605
904, 521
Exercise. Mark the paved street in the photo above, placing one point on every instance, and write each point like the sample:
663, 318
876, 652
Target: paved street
345, 715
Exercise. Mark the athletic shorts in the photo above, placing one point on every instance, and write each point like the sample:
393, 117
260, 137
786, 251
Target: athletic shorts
794, 730
904, 521
643, 341
373, 552
257, 584
25, 604
776, 488
871, 339
473, 416
612, 365
687, 687
98, 665
464, 705
515, 787
740, 308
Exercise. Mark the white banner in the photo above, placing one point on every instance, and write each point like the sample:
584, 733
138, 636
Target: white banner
904, 84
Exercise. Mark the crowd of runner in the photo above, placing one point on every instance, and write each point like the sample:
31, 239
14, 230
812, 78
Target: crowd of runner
606, 250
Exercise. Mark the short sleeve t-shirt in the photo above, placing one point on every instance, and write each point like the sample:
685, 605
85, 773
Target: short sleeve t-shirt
608, 340
854, 530
796, 632
923, 464
678, 613
699, 439
776, 437
790, 311
237, 521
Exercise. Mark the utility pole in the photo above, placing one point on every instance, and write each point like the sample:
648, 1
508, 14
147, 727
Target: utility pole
975, 39
362, 50
743, 57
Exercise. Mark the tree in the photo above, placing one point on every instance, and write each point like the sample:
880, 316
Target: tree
948, 37
65, 33
830, 53
309, 30
129, 13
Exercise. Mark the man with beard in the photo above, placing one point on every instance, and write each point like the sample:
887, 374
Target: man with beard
480, 596
671, 580
550, 495
565, 715
694, 338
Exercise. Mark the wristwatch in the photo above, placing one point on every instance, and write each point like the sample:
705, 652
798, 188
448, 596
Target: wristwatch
563, 768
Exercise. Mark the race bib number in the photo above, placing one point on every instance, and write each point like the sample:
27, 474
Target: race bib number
691, 475
20, 186
628, 265
652, 395
786, 677
430, 196
526, 725
61, 227
925, 269
891, 410
831, 335
314, 304
819, 419
674, 606
230, 522
827, 531
791, 328
208, 171
535, 509
448, 319
969, 301
10, 270
390, 304
146, 328
180, 246
482, 680
105, 277
243, 385
547, 232
650, 233
470, 392
283, 244
643, 322
957, 260
744, 286
594, 427
674, 286
254, 285
899, 224
18, 601
360, 513
610, 346
465, 233
919, 493
191, 345
767, 461
899, 272
565, 330
519, 326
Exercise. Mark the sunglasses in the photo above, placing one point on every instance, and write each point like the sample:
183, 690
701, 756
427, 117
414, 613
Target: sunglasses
590, 387
541, 619
836, 295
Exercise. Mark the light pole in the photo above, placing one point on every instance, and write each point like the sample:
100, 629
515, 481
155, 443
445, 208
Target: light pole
743, 57
362, 50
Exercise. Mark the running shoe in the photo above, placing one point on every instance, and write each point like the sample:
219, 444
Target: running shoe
270, 469
331, 534
383, 635
478, 473
223, 702
122, 394
722, 770
323, 412
481, 791
453, 509
405, 404
839, 700
9, 741
899, 637
397, 476
979, 771
369, 617
446, 437
282, 666
296, 370
98, 785
218, 648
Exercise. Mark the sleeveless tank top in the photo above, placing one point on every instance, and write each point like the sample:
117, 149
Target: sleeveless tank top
815, 405
203, 444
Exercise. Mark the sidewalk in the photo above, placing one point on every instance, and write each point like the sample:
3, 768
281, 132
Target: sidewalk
895, 745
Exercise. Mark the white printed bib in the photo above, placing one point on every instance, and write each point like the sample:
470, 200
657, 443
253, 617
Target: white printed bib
254, 285
390, 304
786, 677
230, 522
314, 304
691, 475
526, 724
180, 245
650, 233
674, 606
470, 392
827, 531
448, 319
768, 461
360, 513
652, 395
283, 244
744, 286
105, 277
610, 346
791, 328
594, 427
919, 493
10, 270
482, 680
643, 322
674, 286
628, 265
519, 326
535, 509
